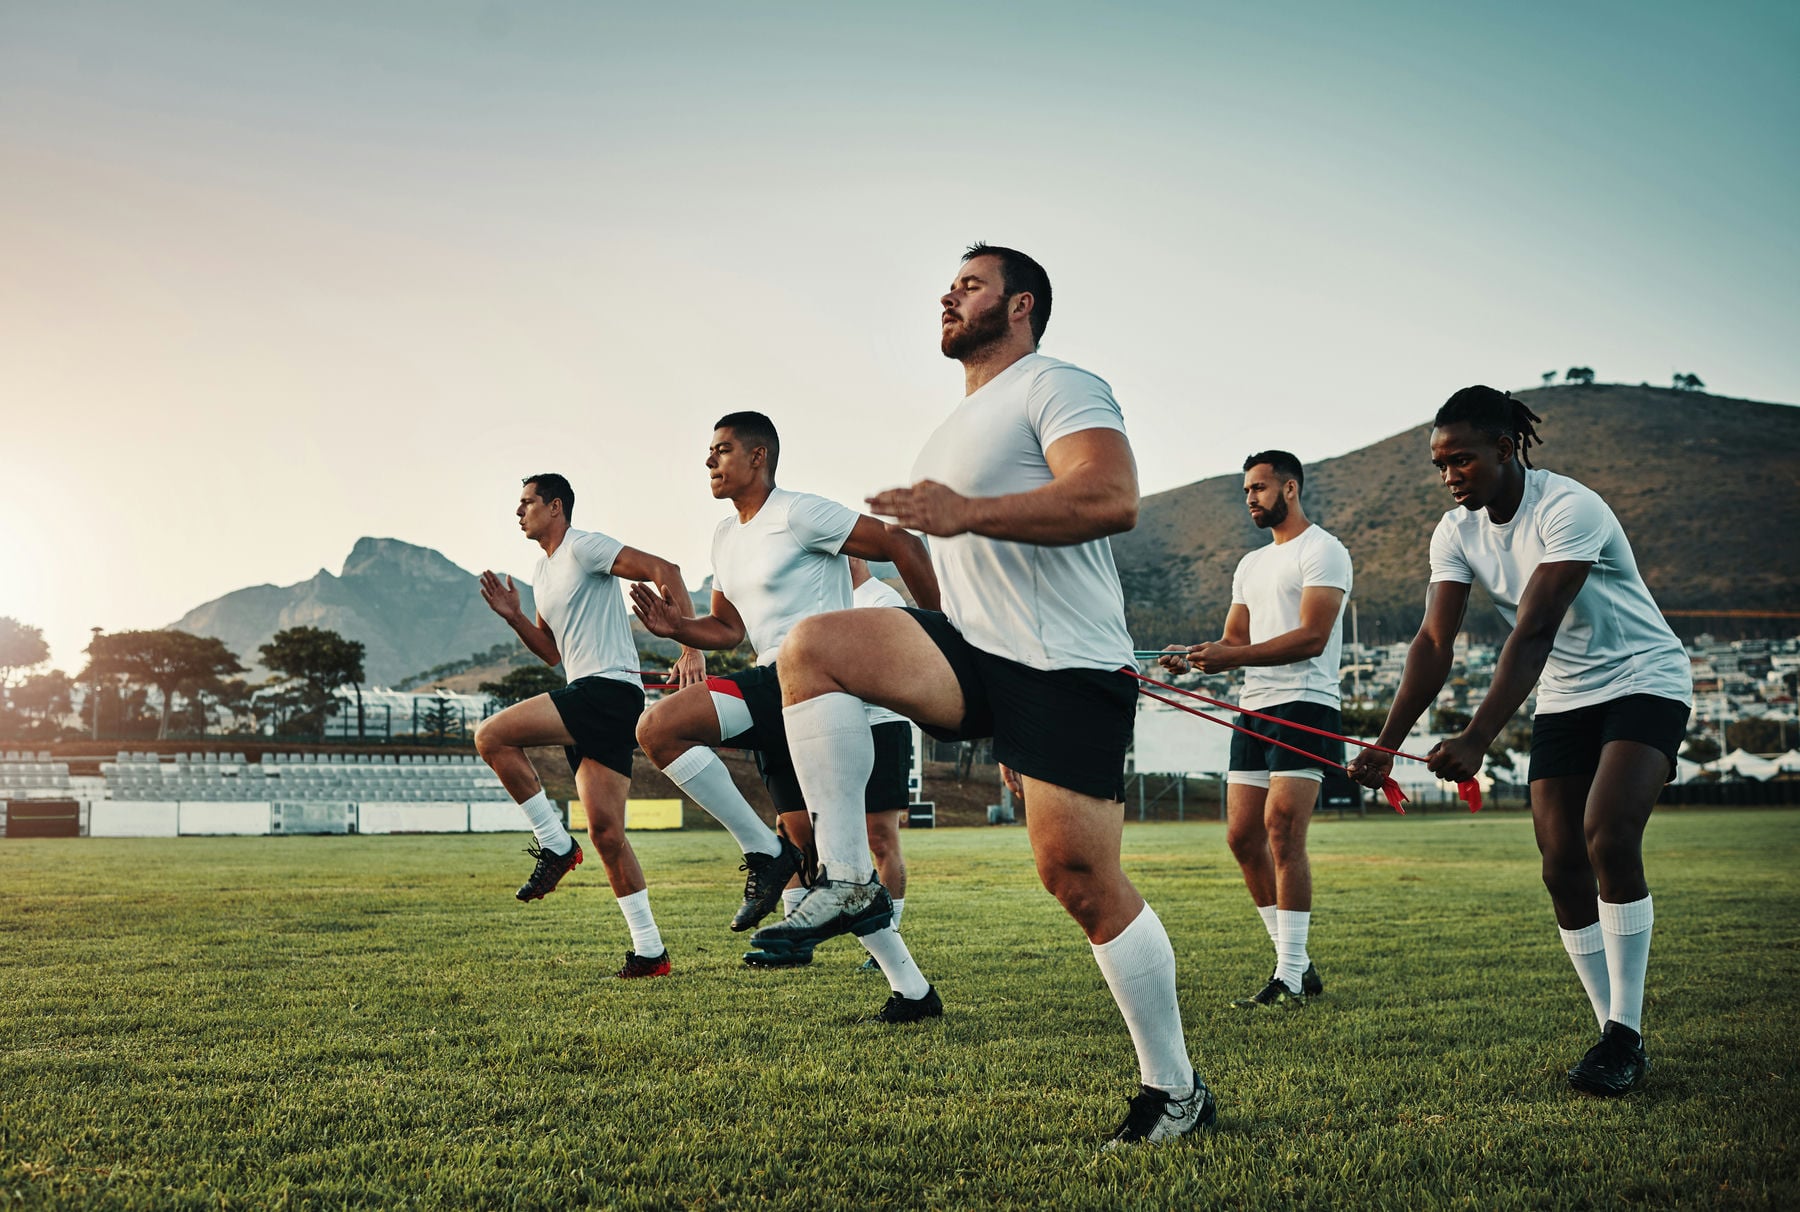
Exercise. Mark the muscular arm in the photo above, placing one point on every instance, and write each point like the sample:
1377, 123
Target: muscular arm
502, 597
634, 565
723, 628
1093, 494
1546, 600
872, 539
1428, 659
1319, 606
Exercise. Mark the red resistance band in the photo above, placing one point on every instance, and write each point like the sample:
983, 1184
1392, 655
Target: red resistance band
1469, 791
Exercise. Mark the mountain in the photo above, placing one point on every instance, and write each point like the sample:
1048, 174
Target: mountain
1704, 486
411, 607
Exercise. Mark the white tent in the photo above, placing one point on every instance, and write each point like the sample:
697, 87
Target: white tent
1746, 765
1789, 761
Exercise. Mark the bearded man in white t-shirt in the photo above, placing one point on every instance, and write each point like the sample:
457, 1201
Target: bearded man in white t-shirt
1614, 690
779, 558
1285, 631
1018, 488
581, 624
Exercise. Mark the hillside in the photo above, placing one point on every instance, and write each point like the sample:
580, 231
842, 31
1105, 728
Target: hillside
1704, 486
411, 608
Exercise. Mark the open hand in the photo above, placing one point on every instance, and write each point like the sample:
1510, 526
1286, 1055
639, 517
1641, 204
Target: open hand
501, 596
656, 610
690, 668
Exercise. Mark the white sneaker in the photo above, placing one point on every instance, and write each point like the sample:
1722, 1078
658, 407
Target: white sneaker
1157, 1115
831, 908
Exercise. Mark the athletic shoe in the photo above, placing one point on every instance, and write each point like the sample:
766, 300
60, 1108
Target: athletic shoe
1273, 994
549, 870
1156, 1115
831, 908
1310, 984
912, 1009
769, 874
869, 965
637, 966
1614, 1066
797, 957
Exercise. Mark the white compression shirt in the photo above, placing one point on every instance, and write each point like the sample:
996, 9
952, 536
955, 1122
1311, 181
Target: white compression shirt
579, 600
783, 565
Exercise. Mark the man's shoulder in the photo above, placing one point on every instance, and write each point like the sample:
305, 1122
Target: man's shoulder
1042, 370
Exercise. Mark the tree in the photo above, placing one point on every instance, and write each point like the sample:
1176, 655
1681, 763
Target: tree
1583, 375
1701, 748
525, 682
21, 647
1549, 377
44, 695
1688, 383
1757, 735
442, 720
167, 660
320, 660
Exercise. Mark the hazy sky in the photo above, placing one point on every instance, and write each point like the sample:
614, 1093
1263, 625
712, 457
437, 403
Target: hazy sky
275, 276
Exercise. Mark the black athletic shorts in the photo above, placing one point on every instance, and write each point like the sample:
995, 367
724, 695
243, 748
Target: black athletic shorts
760, 688
1250, 754
1068, 727
602, 715
1566, 744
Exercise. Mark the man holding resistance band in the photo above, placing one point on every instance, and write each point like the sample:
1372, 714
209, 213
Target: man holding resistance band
1613, 695
1285, 631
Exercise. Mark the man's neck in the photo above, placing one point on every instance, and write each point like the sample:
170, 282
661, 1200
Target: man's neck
1291, 527
749, 503
981, 367
1504, 506
553, 539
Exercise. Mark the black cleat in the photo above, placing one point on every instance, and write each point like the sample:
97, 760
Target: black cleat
796, 957
1614, 1066
1156, 1115
769, 874
1272, 994
1310, 983
549, 870
912, 1009
639, 966
831, 908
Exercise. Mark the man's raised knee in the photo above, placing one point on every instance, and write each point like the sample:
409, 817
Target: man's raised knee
487, 740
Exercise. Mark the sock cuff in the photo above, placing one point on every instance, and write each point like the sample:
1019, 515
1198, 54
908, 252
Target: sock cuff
1633, 917
1293, 915
639, 898
690, 764
540, 795
1585, 941
825, 715
1145, 928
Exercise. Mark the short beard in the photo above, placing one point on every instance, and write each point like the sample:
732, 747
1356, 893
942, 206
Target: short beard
1275, 515
975, 335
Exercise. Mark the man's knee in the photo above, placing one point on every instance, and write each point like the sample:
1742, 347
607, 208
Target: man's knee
489, 737
1246, 838
654, 735
1613, 848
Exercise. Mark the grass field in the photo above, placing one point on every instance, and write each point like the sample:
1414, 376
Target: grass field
375, 1022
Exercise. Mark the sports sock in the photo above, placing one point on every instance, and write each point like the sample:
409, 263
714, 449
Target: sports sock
547, 824
1267, 912
790, 899
1587, 951
646, 940
899, 904
1290, 945
703, 777
890, 951
1139, 967
828, 738
1627, 930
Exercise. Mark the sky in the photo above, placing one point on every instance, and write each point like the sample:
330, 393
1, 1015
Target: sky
277, 276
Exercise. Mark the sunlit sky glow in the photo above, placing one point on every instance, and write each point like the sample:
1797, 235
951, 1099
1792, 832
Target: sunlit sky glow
278, 276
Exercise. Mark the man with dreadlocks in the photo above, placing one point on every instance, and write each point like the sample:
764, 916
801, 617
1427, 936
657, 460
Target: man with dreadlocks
1613, 695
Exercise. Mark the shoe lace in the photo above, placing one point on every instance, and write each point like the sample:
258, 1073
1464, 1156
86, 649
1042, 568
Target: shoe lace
545, 861
1147, 1107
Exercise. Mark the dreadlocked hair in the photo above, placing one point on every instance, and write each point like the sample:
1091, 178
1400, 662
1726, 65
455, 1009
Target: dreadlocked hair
1494, 413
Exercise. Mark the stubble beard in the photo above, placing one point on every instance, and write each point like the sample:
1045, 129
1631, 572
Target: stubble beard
976, 334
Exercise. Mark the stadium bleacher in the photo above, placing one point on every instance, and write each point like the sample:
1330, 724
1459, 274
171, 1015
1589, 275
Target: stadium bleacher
28, 775
345, 778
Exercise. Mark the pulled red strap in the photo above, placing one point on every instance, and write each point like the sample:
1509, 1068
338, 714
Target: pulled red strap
1468, 790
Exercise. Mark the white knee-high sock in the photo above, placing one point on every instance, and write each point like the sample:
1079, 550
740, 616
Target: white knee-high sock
1267, 913
790, 899
646, 940
899, 904
1290, 945
828, 738
1627, 930
547, 824
890, 951
1587, 951
1139, 967
703, 777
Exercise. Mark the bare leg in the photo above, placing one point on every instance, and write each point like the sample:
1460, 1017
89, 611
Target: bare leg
1075, 839
501, 740
1286, 816
1247, 833
603, 792
1625, 789
1558, 809
884, 843
676, 723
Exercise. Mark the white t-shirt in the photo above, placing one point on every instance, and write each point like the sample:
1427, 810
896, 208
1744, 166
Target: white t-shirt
580, 601
878, 593
783, 565
1045, 607
1614, 641
1269, 582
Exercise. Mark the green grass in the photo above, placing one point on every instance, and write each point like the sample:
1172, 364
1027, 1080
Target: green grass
332, 1022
